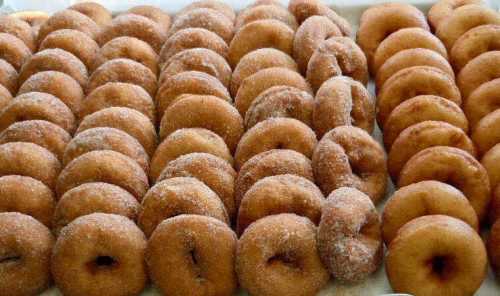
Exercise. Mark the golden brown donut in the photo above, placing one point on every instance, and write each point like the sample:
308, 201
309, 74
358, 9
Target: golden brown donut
482, 101
128, 120
486, 134
422, 199
186, 141
5, 96
422, 108
272, 249
207, 112
201, 251
175, 196
123, 70
257, 60
8, 77
281, 101
20, 29
34, 18
444, 9
37, 105
452, 166
27, 196
68, 19
261, 12
275, 133
219, 6
272, 33
422, 135
129, 48
492, 245
13, 50
411, 82
348, 157
479, 70
154, 13
343, 101
490, 163
43, 133
95, 11
265, 2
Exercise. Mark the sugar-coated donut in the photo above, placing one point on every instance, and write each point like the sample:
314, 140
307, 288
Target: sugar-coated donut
490, 163
104, 166
128, 120
34, 18
473, 43
13, 50
95, 11
486, 133
275, 133
456, 265
444, 8
216, 5
27, 196
271, 248
153, 13
92, 198
482, 101
422, 199
452, 166
26, 247
261, 12
68, 19
8, 77
343, 101
100, 252
5, 96
175, 196
19, 28
479, 70
492, 245
201, 251
186, 141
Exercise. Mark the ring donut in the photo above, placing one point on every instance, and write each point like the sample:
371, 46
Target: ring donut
20, 29
34, 18
261, 12
95, 11
486, 133
490, 163
473, 43
482, 101
216, 5
492, 246
153, 13
479, 70
8, 77
68, 19
444, 9
13, 50
5, 96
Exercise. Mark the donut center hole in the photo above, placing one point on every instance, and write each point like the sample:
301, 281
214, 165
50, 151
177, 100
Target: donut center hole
286, 259
441, 266
102, 262
195, 263
10, 259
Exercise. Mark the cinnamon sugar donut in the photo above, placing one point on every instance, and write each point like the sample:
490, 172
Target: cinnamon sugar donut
281, 101
216, 5
34, 18
423, 135
186, 141
68, 19
277, 255
217, 173
271, 33
479, 70
153, 13
5, 96
337, 56
265, 2
37, 105
27, 196
348, 157
13, 50
444, 9
275, 133
457, 264
20, 29
492, 245
452, 166
92, 198
422, 108
104, 166
95, 11
486, 134
343, 101
26, 246
202, 252
175, 196
490, 163
8, 77
261, 12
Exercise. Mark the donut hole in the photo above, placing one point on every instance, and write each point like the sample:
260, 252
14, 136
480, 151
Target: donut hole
102, 262
356, 169
287, 259
10, 259
195, 262
441, 267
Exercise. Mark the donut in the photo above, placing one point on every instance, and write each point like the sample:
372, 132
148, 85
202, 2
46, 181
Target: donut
270, 163
265, 2
128, 48
34, 18
105, 252
26, 247
202, 252
154, 13
119, 94
27, 196
13, 50
374, 27
444, 9
79, 44
137, 26
37, 105
199, 111
92, 198
58, 84
281, 101
215, 172
262, 12
43, 133
462, 20
311, 33
336, 56
422, 199
492, 245
408, 58
275, 133
413, 81
457, 264
422, 108
479, 70
422, 135
68, 19
272, 33
219, 6
95, 11
347, 156
30, 160
5, 96
280, 194
197, 59
271, 248
8, 77
260, 81
106, 138
343, 101
104, 166
54, 59
490, 163
18, 28
486, 134
128, 120
452, 166
175, 196
186, 141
